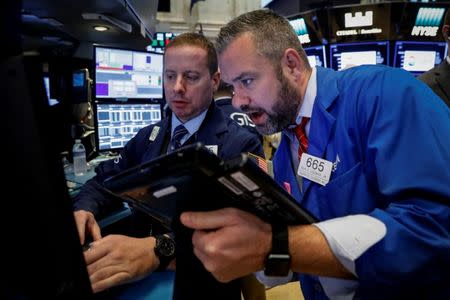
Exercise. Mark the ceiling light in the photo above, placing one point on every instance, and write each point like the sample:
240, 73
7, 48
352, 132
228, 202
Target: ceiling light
101, 28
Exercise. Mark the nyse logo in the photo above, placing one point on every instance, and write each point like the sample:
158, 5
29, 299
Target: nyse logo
359, 20
299, 26
427, 21
242, 119
425, 30
429, 16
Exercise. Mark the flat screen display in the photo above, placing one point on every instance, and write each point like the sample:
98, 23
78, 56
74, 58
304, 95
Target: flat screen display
117, 123
80, 86
160, 41
344, 56
128, 74
316, 56
418, 57
357, 23
421, 22
299, 26
309, 28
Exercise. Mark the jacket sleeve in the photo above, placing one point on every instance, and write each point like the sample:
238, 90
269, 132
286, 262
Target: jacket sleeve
240, 140
253, 145
406, 134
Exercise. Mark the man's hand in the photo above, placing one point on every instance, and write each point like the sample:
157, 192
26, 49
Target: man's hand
86, 224
118, 259
229, 242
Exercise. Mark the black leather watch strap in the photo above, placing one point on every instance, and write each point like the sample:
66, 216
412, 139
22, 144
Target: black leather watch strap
278, 262
165, 250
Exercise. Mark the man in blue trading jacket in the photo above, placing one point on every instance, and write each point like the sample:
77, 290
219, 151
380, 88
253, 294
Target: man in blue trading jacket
366, 150
190, 78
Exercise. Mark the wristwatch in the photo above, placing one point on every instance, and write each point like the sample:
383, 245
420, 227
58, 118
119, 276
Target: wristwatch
278, 261
165, 250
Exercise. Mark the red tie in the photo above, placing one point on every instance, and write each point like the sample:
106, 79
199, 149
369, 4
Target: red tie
301, 136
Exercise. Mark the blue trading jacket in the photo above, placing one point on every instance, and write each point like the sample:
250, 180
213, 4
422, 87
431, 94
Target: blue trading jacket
389, 137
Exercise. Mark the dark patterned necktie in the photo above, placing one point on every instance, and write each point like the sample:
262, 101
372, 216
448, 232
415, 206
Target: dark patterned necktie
175, 142
301, 136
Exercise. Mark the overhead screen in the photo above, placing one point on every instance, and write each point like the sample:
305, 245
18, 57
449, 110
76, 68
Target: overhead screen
360, 23
309, 29
128, 74
343, 56
160, 41
422, 22
117, 123
418, 57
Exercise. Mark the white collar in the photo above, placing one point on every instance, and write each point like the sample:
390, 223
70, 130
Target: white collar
309, 98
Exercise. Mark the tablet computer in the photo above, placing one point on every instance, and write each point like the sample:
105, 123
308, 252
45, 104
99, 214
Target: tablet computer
193, 178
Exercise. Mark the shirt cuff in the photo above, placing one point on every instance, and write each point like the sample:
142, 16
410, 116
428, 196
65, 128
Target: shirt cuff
349, 237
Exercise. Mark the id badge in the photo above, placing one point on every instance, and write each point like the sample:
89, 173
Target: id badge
154, 134
315, 169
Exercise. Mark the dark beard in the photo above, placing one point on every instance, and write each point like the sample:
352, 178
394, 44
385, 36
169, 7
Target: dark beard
284, 110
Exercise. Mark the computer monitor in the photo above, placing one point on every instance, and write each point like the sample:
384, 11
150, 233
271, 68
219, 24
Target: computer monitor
316, 56
127, 74
300, 29
116, 123
418, 57
80, 86
343, 56
160, 40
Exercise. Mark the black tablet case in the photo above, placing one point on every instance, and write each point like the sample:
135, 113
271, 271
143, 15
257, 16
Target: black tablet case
167, 184
194, 179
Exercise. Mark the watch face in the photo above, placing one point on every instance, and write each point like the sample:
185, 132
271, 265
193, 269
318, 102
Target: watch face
165, 246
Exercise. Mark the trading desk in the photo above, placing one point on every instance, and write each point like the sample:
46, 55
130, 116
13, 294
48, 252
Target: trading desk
158, 285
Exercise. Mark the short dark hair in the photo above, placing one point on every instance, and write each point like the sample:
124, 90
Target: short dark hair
271, 33
199, 40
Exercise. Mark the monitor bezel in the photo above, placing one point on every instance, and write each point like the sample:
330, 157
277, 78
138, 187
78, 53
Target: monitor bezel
113, 102
94, 75
386, 42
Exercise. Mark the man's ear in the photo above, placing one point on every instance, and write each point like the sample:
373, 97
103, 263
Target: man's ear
215, 78
291, 63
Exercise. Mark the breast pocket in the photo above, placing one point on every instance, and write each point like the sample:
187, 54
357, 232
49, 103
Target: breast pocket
345, 194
